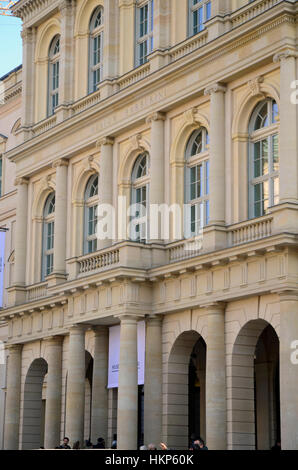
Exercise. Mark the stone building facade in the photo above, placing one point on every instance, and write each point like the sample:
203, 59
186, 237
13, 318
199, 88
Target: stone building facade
172, 102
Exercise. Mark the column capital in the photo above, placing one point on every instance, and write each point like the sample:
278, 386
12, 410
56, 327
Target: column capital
60, 162
215, 88
154, 320
64, 4
128, 319
214, 307
27, 34
100, 330
158, 116
21, 180
108, 140
126, 3
14, 348
285, 54
287, 294
51, 340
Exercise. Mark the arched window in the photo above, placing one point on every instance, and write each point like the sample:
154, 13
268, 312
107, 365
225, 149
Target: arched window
197, 182
48, 236
140, 193
96, 49
263, 158
199, 12
90, 215
144, 31
53, 86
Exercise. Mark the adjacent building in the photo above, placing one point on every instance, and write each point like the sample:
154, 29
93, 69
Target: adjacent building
184, 107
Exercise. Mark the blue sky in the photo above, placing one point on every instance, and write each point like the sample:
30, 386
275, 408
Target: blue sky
10, 43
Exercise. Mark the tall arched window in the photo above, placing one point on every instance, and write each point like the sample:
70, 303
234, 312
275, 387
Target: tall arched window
48, 236
90, 215
199, 12
96, 49
53, 85
139, 198
197, 182
263, 158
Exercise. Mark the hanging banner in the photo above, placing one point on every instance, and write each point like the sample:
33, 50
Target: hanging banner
114, 353
2, 254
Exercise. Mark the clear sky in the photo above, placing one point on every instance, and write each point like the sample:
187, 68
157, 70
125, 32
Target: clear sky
10, 43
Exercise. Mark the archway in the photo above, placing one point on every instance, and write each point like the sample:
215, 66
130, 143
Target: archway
185, 390
34, 405
255, 387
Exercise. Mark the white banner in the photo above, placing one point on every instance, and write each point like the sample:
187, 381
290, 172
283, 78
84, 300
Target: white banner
114, 352
2, 254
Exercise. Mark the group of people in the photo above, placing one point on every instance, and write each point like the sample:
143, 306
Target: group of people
196, 443
88, 444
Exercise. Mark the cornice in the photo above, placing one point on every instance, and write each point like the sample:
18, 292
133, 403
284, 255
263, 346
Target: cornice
210, 52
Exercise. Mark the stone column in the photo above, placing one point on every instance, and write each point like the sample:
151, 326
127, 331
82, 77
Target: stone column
53, 392
60, 218
156, 191
75, 397
127, 35
289, 369
21, 232
288, 168
220, 10
105, 188
217, 166
66, 86
99, 418
127, 416
28, 73
153, 381
216, 414
110, 47
161, 33
13, 398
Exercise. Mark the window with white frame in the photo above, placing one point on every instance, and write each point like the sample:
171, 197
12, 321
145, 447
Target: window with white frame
199, 13
48, 236
90, 215
197, 182
53, 86
139, 198
144, 30
96, 49
263, 158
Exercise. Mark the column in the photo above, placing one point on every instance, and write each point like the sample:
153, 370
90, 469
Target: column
153, 381
66, 86
13, 398
99, 418
60, 218
127, 416
28, 72
21, 232
288, 127
110, 50
161, 33
216, 419
217, 153
220, 10
105, 188
127, 35
156, 191
75, 396
53, 393
289, 370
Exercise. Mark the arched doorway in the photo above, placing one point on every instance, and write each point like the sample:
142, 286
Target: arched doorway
34, 405
185, 390
255, 387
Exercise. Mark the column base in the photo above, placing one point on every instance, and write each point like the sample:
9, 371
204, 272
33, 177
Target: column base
56, 278
158, 59
214, 238
17, 295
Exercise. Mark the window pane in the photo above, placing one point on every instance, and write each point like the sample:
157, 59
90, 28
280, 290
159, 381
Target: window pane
262, 117
257, 161
275, 153
208, 10
274, 111
265, 168
276, 191
207, 212
207, 179
258, 200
